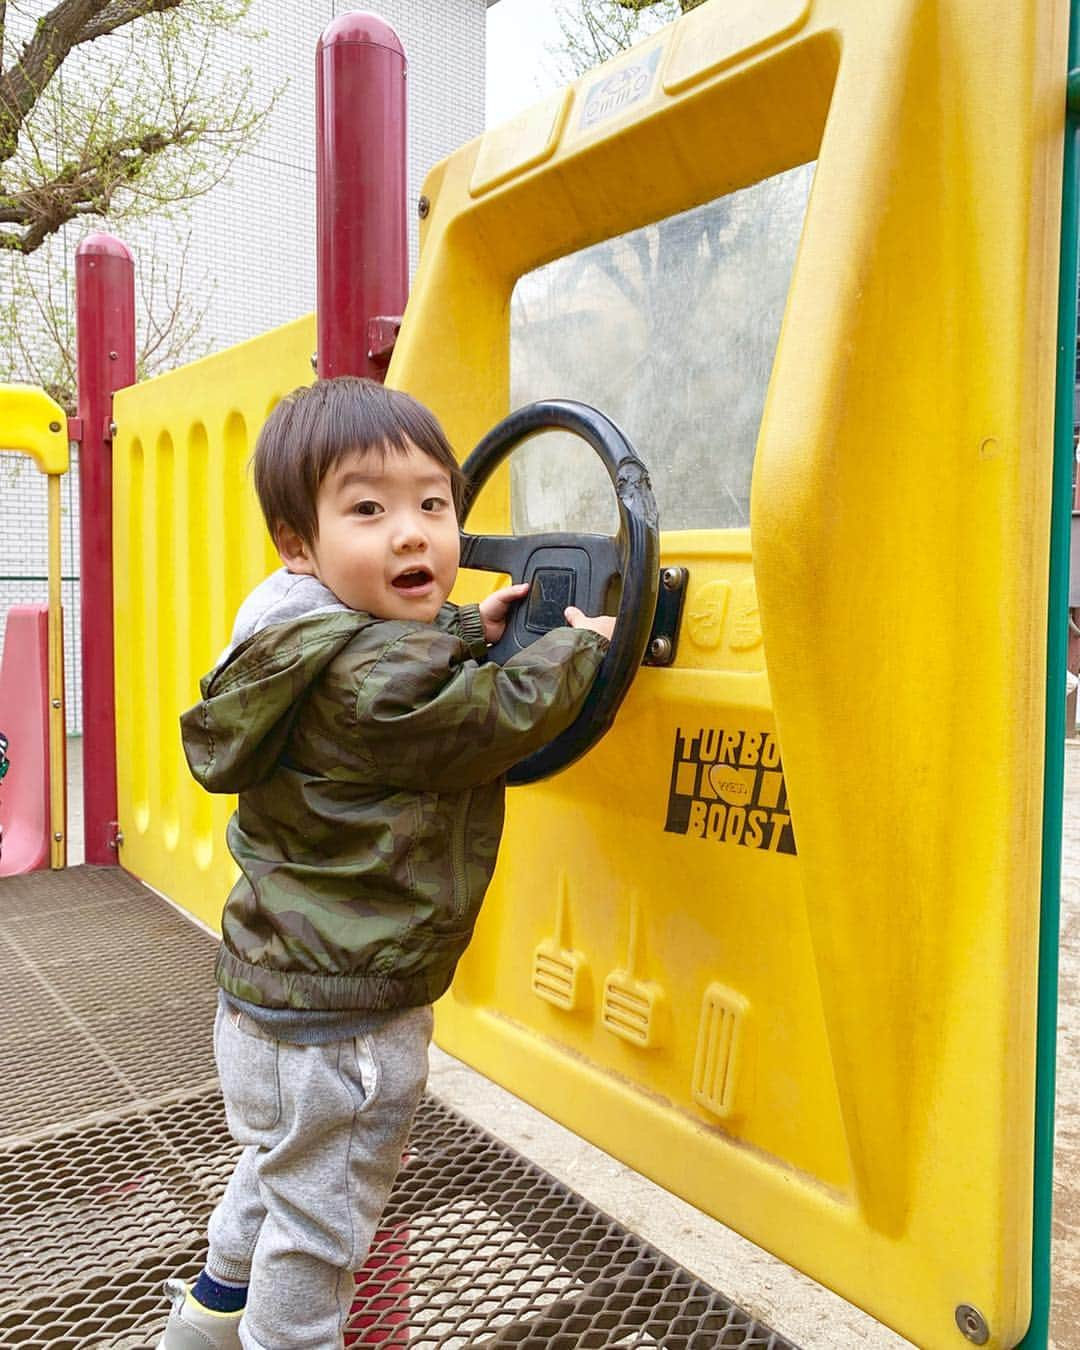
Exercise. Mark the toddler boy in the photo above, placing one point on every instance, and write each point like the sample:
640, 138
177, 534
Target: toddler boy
367, 737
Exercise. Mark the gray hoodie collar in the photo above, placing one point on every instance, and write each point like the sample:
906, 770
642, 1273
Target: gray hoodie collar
283, 596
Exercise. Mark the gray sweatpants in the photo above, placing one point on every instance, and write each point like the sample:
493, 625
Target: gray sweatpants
323, 1128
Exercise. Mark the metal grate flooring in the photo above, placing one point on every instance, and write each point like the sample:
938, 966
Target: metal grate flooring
113, 1150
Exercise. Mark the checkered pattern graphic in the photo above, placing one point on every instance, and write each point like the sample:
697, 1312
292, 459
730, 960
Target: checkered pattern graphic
251, 250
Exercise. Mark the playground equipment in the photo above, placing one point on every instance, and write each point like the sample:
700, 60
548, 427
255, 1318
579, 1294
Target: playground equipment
105, 338
597, 573
785, 939
33, 796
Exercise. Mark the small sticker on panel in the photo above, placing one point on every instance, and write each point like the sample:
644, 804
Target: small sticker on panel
727, 786
619, 89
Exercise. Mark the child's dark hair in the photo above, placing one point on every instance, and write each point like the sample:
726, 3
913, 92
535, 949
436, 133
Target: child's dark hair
313, 427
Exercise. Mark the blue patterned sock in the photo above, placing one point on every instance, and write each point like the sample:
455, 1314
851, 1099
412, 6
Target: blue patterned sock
218, 1296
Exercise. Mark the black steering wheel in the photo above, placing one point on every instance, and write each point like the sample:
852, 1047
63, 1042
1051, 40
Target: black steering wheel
585, 570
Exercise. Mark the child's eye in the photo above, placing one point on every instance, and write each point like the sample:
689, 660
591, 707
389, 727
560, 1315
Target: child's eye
434, 504
367, 508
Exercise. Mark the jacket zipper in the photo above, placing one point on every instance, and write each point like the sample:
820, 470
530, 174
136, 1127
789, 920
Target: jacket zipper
457, 856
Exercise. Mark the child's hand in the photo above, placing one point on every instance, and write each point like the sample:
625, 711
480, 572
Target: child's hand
603, 624
495, 608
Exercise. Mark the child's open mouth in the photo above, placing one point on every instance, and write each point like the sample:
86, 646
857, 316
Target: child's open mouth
415, 579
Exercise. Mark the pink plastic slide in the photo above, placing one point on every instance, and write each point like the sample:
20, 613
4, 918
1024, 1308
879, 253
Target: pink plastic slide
24, 721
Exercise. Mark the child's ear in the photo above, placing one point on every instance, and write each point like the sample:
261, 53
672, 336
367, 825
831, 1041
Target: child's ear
293, 552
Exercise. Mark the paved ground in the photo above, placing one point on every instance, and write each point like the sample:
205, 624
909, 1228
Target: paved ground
788, 1302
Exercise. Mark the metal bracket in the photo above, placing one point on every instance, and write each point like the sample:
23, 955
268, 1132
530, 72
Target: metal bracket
664, 638
382, 334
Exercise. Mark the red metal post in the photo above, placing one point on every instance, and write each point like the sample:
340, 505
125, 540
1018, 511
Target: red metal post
362, 250
105, 338
361, 223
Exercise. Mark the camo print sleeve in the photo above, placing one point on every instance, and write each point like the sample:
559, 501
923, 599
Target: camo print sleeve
430, 718
464, 621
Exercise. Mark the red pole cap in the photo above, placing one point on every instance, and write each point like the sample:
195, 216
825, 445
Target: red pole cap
360, 27
361, 218
104, 245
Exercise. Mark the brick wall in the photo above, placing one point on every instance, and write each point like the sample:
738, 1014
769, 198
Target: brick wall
252, 252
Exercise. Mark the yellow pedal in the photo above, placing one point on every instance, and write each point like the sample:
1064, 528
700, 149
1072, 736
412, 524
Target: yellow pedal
632, 1006
558, 970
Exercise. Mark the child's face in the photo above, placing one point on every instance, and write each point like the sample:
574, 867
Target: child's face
388, 534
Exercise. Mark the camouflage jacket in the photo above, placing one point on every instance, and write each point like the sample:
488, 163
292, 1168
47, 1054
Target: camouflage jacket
369, 758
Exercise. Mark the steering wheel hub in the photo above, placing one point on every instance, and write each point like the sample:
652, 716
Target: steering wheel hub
586, 570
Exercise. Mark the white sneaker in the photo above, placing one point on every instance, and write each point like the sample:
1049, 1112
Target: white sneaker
193, 1327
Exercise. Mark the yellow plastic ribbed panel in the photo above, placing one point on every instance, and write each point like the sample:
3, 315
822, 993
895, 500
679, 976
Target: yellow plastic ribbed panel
809, 1009
189, 543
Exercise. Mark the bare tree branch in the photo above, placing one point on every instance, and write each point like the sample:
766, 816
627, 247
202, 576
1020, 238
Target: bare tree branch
638, 5
81, 187
117, 15
42, 55
132, 129
66, 26
37, 324
599, 29
141, 129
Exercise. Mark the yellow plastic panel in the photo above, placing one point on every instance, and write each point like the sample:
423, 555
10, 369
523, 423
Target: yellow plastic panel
523, 142
773, 941
706, 44
34, 424
189, 543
